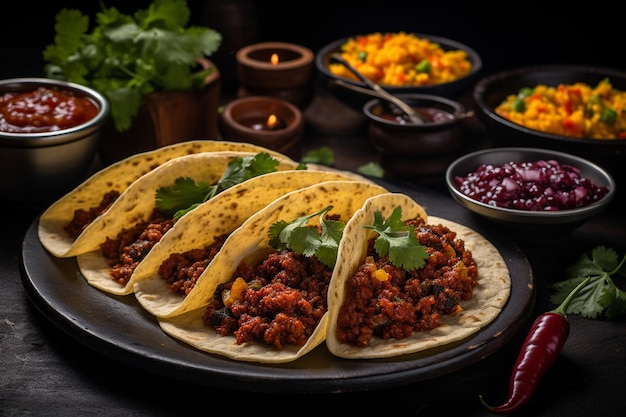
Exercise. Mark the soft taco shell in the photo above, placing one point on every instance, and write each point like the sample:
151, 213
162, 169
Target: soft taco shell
488, 300
119, 177
222, 214
136, 204
249, 242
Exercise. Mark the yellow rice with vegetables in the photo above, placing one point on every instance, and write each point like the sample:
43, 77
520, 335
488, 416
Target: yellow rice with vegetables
576, 110
401, 60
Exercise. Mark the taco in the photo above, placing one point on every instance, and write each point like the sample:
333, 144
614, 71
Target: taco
165, 279
114, 244
63, 222
278, 292
380, 310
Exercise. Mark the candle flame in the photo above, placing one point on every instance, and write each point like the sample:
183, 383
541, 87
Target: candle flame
272, 121
274, 59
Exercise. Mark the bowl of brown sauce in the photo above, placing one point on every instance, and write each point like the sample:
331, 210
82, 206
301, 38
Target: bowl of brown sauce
416, 149
49, 135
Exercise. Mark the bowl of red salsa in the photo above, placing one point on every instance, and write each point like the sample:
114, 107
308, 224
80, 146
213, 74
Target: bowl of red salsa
538, 192
49, 136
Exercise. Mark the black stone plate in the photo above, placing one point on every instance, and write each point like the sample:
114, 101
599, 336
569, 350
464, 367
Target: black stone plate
118, 327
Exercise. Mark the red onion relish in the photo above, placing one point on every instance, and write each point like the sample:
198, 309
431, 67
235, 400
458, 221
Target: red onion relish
544, 185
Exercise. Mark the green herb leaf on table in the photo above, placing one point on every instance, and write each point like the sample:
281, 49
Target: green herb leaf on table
601, 297
322, 156
185, 194
371, 169
398, 241
127, 56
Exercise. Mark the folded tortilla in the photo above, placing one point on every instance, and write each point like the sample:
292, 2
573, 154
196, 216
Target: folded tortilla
249, 242
136, 205
220, 215
118, 177
488, 299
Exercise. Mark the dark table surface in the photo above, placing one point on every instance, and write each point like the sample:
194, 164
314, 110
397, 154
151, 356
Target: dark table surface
45, 369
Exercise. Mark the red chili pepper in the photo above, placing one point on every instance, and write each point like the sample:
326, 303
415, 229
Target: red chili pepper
540, 349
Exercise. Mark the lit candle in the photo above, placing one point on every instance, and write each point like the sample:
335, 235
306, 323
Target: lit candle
276, 69
266, 121
272, 122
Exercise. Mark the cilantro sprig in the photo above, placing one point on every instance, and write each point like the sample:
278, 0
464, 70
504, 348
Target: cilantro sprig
127, 56
398, 241
305, 239
185, 194
394, 239
601, 297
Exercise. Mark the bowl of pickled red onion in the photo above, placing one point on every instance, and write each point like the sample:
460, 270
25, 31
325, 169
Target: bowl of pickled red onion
530, 189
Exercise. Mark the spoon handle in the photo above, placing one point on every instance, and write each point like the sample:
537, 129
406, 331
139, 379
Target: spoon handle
381, 91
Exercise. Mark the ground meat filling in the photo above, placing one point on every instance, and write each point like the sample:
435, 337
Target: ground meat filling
405, 302
279, 302
182, 270
83, 218
132, 245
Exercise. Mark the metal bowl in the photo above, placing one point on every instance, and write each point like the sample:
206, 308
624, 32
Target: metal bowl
530, 225
36, 168
356, 100
490, 91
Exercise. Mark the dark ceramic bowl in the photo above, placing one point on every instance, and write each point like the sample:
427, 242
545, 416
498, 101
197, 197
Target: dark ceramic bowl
36, 168
490, 91
356, 100
530, 225
412, 149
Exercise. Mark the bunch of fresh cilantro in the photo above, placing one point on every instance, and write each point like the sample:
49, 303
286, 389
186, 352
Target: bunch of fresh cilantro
601, 297
125, 57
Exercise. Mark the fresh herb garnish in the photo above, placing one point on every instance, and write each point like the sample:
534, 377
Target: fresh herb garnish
306, 240
322, 156
601, 297
185, 194
125, 57
395, 239
398, 241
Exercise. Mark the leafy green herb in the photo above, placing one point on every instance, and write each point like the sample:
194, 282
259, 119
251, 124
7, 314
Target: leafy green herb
371, 169
125, 57
395, 239
185, 194
323, 156
306, 240
398, 241
601, 297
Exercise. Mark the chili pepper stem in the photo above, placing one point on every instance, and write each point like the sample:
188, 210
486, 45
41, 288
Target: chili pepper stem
515, 399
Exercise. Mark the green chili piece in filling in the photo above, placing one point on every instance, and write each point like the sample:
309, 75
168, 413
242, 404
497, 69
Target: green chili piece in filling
362, 56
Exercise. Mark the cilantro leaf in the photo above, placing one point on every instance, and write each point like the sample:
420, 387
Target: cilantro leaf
184, 195
601, 297
322, 156
307, 240
398, 241
371, 169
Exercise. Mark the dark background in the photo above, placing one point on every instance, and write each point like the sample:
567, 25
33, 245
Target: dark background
510, 35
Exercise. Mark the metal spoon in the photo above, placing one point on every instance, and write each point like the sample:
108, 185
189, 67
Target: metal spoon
380, 92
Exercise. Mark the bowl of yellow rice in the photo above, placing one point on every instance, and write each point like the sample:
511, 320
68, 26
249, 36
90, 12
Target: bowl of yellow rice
401, 63
574, 109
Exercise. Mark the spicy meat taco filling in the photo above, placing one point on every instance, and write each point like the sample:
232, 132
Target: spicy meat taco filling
115, 243
165, 281
380, 306
64, 221
265, 292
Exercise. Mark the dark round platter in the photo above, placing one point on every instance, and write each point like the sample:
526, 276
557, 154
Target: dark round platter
118, 327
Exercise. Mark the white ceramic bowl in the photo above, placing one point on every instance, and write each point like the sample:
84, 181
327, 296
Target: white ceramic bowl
36, 168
